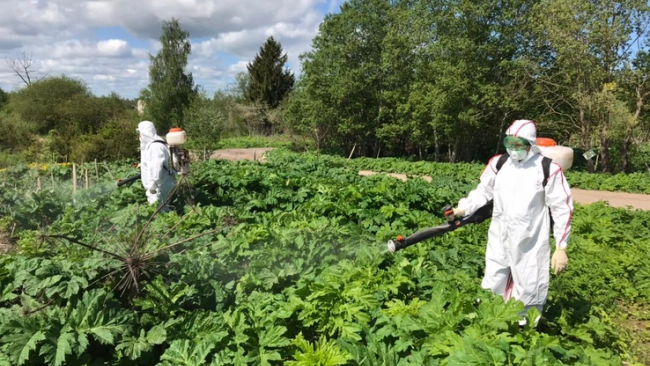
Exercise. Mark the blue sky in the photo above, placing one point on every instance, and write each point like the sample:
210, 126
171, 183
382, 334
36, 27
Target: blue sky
107, 42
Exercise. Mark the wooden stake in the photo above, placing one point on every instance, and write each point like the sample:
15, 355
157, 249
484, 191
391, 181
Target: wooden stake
38, 183
96, 170
74, 178
87, 180
352, 152
109, 171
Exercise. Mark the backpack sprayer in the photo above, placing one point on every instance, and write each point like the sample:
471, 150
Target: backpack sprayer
179, 158
477, 217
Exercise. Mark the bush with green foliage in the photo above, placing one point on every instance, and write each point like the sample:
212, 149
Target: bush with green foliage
205, 120
58, 119
51, 104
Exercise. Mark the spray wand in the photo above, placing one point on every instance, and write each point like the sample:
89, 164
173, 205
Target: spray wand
125, 181
452, 224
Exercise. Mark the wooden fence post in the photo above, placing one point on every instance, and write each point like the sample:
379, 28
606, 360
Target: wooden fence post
74, 178
109, 171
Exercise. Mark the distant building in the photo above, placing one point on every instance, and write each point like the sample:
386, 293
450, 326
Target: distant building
140, 106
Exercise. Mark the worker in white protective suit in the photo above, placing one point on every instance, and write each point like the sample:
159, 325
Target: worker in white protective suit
158, 178
518, 249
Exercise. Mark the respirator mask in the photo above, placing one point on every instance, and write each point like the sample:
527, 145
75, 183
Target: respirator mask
516, 147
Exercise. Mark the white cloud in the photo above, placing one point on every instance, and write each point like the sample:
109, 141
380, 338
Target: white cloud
240, 66
60, 35
113, 47
295, 39
75, 49
104, 77
202, 18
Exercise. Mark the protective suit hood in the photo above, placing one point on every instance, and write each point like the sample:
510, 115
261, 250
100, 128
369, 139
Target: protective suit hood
147, 134
525, 129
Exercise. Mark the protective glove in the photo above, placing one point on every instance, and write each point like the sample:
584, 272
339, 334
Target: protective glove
454, 212
559, 260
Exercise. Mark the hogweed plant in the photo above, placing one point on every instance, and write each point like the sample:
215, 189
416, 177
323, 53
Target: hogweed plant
137, 251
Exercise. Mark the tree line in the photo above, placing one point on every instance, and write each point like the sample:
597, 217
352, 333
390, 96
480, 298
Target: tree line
444, 79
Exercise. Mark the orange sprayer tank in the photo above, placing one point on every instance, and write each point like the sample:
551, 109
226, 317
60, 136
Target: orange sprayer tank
176, 137
561, 155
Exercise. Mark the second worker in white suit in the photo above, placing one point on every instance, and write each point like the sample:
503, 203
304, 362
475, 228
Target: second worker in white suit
158, 178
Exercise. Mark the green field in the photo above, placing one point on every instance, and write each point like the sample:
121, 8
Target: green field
297, 273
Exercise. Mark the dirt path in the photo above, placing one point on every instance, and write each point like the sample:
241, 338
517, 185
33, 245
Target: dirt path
257, 153
615, 199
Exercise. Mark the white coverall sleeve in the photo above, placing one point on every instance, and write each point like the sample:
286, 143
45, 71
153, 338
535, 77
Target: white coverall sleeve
560, 201
484, 192
156, 159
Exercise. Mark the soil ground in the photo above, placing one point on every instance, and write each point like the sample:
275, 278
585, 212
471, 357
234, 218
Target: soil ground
257, 153
615, 199
5, 245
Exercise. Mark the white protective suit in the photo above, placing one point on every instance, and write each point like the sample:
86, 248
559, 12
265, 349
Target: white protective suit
158, 179
518, 249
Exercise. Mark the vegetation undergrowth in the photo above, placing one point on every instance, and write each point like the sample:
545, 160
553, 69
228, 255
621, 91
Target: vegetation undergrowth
296, 273
470, 172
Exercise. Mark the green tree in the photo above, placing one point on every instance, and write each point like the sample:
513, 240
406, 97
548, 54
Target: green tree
583, 46
205, 120
114, 106
413, 77
306, 116
633, 89
342, 78
268, 81
170, 89
4, 98
239, 89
